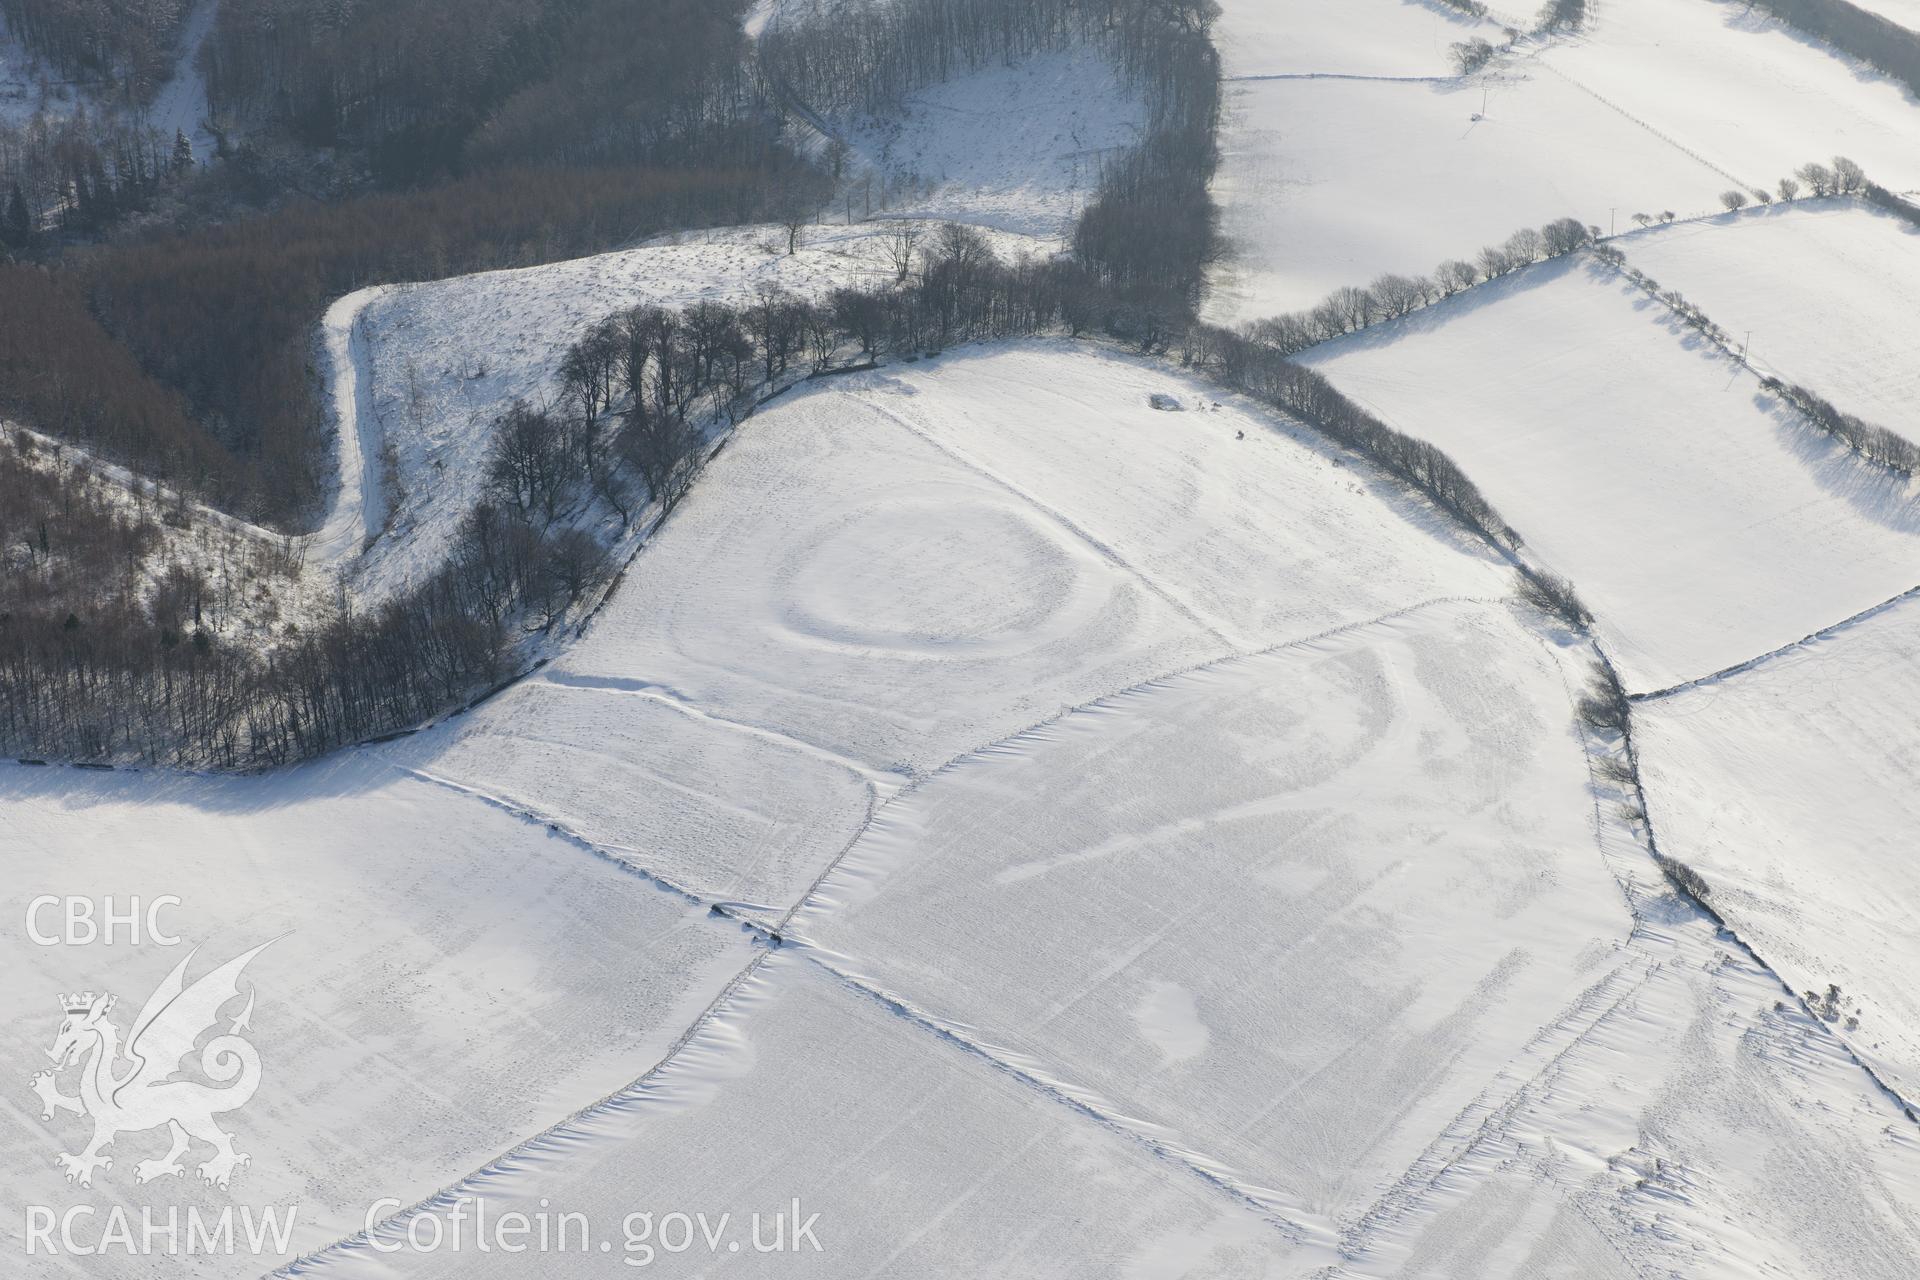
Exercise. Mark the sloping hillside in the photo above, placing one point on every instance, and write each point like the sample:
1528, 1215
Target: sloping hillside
442, 979
900, 567
1789, 787
422, 373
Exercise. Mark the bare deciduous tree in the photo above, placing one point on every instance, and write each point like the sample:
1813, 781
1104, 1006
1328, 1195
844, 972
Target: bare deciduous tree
902, 247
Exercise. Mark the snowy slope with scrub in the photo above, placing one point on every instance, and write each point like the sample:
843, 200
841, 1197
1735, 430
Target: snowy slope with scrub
420, 373
180, 106
906, 565
1015, 148
442, 979
1790, 789
1824, 287
1701, 520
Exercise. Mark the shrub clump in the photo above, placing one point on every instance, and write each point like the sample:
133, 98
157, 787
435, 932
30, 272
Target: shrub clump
1554, 595
1684, 878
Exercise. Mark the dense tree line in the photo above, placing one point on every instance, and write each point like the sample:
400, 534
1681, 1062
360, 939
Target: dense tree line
1877, 41
1881, 198
62, 372
582, 125
1254, 368
218, 322
188, 355
1151, 227
1351, 308
111, 673
80, 173
868, 55
625, 435
426, 87
127, 44
1561, 16
1874, 443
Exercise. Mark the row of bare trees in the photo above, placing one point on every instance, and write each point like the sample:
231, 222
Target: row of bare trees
1844, 178
1876, 444
115, 673
1254, 368
1350, 308
625, 434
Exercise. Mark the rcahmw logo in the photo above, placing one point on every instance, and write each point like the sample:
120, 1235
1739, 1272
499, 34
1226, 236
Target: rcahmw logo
145, 1095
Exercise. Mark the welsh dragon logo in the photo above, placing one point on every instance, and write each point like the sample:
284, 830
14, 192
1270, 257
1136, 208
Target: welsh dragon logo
145, 1094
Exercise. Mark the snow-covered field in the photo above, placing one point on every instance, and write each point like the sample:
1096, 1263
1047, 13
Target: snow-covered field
1327, 183
1673, 1123
1790, 788
1701, 521
1658, 105
1755, 97
1185, 861
907, 565
1826, 289
1029, 813
1242, 908
919, 1159
1343, 37
443, 979
1199, 980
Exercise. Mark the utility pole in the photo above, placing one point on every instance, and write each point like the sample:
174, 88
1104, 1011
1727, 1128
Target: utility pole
1612, 214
